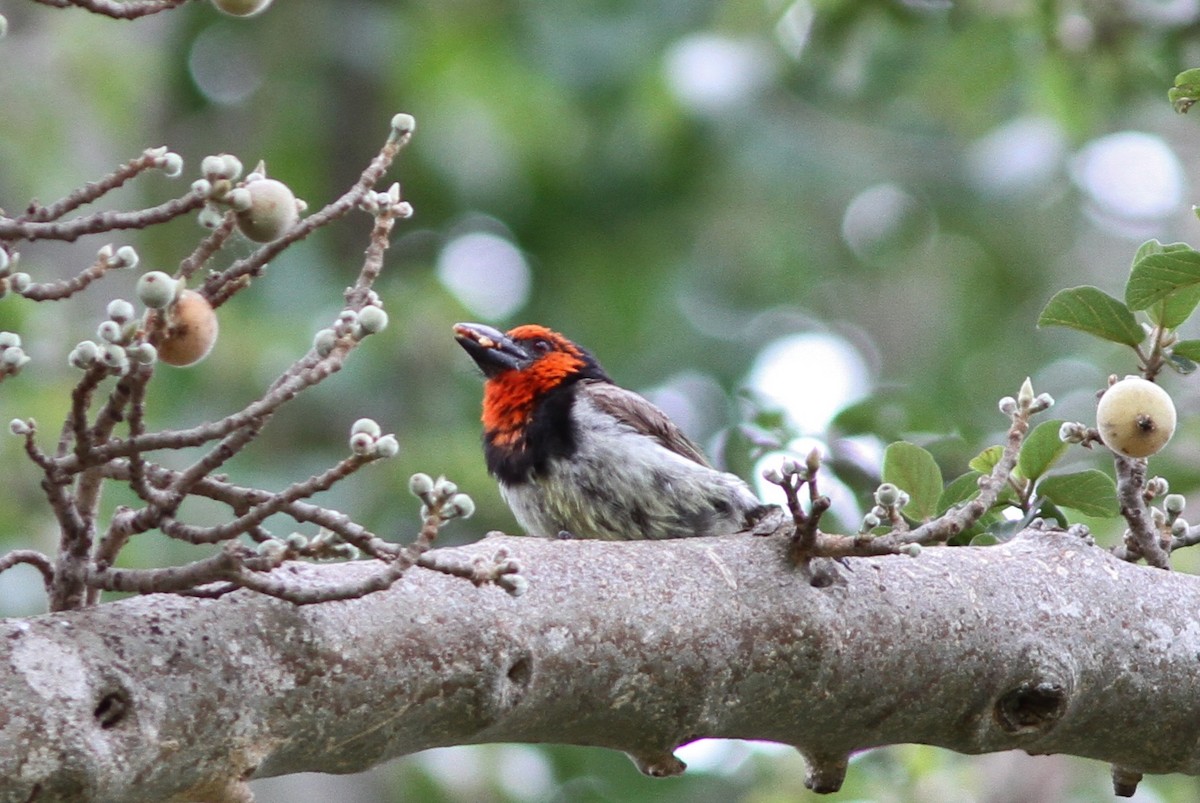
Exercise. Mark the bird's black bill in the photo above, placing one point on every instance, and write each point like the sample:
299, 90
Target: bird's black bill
490, 348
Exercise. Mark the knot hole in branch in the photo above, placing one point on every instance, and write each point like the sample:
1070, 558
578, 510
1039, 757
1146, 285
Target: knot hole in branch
1030, 707
112, 708
515, 681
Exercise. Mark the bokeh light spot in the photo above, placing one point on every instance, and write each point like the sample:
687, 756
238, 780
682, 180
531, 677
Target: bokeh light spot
486, 273
709, 73
810, 376
1130, 178
1021, 156
883, 218
223, 66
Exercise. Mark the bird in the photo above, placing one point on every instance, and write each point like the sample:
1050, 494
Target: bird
578, 456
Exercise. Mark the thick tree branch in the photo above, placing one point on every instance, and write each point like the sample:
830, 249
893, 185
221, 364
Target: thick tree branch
1045, 644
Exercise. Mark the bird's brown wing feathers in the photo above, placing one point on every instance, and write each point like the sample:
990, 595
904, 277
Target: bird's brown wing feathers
630, 408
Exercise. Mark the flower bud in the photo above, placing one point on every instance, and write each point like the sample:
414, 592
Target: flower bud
109, 331
460, 506
772, 475
420, 485
324, 341
361, 443
367, 425
387, 446
144, 354
13, 359
1025, 394
887, 495
171, 164
238, 199
120, 311
125, 257
372, 319
403, 124
273, 549
156, 289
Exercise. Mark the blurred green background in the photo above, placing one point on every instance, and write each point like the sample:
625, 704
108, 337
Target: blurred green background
738, 206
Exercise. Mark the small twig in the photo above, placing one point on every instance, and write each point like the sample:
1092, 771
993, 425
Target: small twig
809, 542
304, 373
57, 291
171, 579
75, 428
253, 264
378, 580
501, 570
127, 10
94, 190
240, 499
1142, 539
73, 229
276, 503
207, 247
356, 297
33, 558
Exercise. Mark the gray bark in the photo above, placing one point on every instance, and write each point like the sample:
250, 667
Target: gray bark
1045, 644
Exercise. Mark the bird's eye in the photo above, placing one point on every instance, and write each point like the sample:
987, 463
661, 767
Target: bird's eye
541, 346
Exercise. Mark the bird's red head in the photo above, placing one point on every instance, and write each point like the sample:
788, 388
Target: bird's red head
523, 366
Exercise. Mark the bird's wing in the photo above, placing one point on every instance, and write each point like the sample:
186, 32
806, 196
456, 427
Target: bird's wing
635, 411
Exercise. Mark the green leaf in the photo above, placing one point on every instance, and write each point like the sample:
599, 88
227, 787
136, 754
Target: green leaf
1049, 510
1042, 449
986, 460
1155, 247
1181, 365
1186, 90
984, 539
1091, 492
1156, 276
913, 470
1176, 308
1188, 349
1089, 309
960, 489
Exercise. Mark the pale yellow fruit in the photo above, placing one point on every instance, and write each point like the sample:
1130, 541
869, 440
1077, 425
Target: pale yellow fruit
191, 330
1135, 417
272, 210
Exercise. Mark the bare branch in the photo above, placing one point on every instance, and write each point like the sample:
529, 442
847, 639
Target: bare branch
207, 247
56, 291
579, 659
127, 10
33, 558
275, 503
149, 159
1143, 538
253, 264
73, 229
